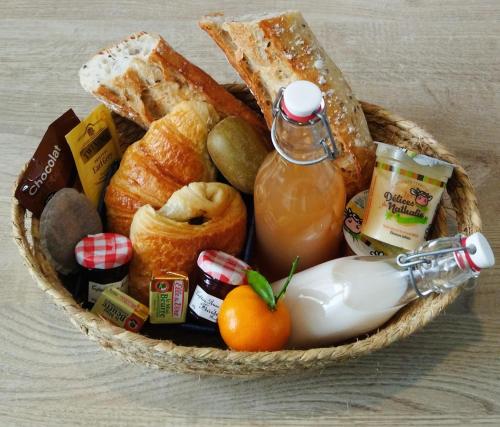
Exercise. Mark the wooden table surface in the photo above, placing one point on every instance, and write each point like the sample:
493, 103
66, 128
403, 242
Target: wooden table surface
436, 63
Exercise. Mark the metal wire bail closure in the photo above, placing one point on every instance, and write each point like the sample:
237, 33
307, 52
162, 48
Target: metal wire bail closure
330, 153
412, 260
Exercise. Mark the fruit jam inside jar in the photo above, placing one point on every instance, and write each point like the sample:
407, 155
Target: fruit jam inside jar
216, 274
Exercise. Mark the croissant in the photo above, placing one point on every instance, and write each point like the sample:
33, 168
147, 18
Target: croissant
171, 154
199, 216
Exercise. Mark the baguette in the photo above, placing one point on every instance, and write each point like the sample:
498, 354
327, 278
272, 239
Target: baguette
272, 51
143, 79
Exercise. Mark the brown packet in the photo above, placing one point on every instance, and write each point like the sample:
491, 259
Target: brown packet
51, 168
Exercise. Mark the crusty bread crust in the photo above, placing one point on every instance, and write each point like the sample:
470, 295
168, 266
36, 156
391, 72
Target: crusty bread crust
271, 51
143, 79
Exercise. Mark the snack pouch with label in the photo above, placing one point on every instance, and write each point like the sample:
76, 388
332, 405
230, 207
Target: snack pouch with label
94, 145
404, 193
51, 168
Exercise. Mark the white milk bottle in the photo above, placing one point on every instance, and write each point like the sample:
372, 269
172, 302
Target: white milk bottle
351, 296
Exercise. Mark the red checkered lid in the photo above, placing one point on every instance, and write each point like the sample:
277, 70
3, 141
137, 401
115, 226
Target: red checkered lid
223, 267
103, 251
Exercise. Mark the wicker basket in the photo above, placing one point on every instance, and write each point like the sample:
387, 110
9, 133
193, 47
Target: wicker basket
164, 354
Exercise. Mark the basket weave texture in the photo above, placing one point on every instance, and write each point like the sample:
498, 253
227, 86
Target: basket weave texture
163, 354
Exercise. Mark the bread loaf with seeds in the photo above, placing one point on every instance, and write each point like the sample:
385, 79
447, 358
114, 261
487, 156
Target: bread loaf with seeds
271, 51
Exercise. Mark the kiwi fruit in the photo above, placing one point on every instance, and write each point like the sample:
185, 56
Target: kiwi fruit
238, 151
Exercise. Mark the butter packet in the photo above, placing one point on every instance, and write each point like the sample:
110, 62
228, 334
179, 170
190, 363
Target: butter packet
121, 309
168, 298
94, 145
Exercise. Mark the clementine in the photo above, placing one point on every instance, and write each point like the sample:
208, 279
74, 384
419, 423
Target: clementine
252, 318
246, 322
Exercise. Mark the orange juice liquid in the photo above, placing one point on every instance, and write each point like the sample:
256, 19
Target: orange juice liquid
299, 211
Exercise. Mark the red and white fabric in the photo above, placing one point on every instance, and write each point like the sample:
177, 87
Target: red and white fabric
103, 251
223, 267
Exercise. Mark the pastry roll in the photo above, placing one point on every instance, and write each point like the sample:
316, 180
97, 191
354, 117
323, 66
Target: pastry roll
197, 217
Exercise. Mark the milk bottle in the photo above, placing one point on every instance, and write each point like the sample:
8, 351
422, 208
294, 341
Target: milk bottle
351, 296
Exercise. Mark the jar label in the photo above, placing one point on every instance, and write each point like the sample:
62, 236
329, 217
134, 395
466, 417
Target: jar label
96, 289
359, 244
401, 206
205, 305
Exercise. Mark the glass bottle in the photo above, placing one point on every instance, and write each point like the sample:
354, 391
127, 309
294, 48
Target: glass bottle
299, 193
351, 296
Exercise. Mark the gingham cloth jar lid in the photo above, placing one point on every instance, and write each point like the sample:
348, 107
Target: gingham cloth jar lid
223, 267
103, 251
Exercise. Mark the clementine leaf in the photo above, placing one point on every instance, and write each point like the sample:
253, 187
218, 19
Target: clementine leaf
262, 287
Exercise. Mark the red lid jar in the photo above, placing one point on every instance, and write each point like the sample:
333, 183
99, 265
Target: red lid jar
217, 274
105, 258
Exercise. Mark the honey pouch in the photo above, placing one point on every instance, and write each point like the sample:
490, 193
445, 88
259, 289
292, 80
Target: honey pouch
94, 145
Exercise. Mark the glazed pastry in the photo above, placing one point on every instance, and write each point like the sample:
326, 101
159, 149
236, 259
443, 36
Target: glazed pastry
272, 51
199, 216
172, 154
143, 79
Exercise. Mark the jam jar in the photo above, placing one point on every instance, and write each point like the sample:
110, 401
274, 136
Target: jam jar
216, 275
105, 258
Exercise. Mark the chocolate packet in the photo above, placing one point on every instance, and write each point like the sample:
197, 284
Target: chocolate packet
51, 168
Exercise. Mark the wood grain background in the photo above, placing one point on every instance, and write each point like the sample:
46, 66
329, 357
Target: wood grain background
434, 62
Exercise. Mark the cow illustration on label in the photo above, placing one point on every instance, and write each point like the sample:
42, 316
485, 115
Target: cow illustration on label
422, 198
352, 221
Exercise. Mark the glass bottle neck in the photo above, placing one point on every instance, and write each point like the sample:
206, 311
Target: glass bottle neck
439, 273
422, 276
300, 141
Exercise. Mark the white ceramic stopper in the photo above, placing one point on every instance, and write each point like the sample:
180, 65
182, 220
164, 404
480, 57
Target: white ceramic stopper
483, 256
302, 98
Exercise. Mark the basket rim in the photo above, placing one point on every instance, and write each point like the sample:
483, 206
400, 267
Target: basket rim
468, 220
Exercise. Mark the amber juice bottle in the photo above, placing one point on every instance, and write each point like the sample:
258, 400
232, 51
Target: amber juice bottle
299, 193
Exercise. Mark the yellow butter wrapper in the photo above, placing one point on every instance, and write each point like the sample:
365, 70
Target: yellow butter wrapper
121, 309
168, 298
94, 145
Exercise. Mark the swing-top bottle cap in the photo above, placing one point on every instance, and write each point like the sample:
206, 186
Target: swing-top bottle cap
301, 100
479, 255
